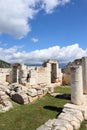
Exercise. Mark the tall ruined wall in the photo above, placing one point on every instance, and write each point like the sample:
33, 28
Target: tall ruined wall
22, 74
40, 75
48, 73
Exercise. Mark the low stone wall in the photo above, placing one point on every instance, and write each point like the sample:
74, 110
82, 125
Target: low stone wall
4, 72
69, 119
21, 94
24, 95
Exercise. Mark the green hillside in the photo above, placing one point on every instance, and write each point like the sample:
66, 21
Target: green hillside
4, 64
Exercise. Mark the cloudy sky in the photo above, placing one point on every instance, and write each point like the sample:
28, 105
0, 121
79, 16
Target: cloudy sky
32, 31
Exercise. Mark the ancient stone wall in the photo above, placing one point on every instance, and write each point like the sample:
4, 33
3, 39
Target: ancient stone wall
67, 73
66, 79
5, 75
46, 74
30, 76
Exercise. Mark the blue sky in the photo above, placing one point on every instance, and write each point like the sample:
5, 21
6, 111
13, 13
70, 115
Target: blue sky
32, 31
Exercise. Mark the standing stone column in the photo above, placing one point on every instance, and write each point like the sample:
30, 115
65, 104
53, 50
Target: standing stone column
84, 69
17, 75
76, 85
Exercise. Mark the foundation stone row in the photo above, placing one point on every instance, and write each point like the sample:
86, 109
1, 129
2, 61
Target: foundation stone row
21, 94
69, 119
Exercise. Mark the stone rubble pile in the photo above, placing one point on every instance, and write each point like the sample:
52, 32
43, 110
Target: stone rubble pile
21, 94
24, 95
5, 103
69, 119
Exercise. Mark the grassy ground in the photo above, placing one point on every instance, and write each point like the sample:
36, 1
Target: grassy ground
31, 116
84, 125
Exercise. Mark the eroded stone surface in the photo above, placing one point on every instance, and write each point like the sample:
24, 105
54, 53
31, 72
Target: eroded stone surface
82, 108
71, 118
77, 113
56, 124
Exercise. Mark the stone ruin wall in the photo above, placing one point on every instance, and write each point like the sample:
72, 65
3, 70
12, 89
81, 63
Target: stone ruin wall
66, 78
24, 84
4, 75
39, 76
31, 76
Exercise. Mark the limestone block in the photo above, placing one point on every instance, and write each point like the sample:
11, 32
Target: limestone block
43, 85
32, 92
30, 99
32, 81
28, 85
40, 92
6, 107
56, 124
36, 86
45, 90
25, 97
11, 93
24, 89
17, 88
43, 127
39, 96
2, 93
72, 119
62, 123
85, 114
50, 89
49, 123
7, 91
4, 97
8, 104
59, 128
77, 113
34, 98
82, 108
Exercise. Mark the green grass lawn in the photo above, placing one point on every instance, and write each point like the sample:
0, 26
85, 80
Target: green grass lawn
31, 116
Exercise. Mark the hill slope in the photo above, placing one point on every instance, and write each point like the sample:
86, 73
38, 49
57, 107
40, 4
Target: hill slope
4, 64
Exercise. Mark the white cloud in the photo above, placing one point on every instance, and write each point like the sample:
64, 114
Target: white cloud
34, 39
15, 15
63, 55
49, 5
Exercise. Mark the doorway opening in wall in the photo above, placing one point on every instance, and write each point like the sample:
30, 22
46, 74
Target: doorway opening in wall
53, 72
8, 78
